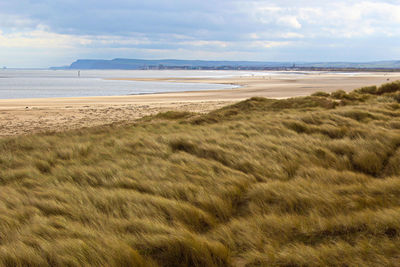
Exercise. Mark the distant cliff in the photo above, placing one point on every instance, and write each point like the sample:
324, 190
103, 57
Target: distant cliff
136, 64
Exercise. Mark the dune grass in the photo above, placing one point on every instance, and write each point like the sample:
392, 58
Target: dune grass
310, 181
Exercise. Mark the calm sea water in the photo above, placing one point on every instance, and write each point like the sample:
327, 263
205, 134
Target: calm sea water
66, 83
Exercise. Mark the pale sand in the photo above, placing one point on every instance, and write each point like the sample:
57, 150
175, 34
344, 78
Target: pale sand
22, 116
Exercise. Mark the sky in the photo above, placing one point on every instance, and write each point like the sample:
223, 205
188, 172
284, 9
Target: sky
43, 33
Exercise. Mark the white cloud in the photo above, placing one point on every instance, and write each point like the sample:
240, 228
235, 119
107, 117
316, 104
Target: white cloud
205, 43
38, 38
291, 35
352, 19
330, 19
270, 44
290, 21
42, 37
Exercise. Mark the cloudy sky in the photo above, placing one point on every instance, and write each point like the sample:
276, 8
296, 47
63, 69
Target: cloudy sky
42, 33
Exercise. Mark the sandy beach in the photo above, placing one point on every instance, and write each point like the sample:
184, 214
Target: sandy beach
23, 116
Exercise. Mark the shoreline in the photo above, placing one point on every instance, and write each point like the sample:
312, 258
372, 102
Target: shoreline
30, 115
275, 87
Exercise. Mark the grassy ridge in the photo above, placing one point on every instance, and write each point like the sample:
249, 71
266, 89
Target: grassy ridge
306, 181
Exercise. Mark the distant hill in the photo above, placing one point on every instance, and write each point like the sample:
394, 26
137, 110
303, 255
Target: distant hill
120, 63
137, 64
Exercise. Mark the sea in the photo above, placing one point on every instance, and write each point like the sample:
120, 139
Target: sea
20, 83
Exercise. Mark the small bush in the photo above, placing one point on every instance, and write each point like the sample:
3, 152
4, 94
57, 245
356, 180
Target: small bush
367, 90
339, 94
389, 88
321, 94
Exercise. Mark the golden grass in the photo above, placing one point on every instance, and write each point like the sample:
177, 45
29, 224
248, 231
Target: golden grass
308, 181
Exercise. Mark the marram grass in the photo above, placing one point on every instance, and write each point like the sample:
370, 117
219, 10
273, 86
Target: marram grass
310, 181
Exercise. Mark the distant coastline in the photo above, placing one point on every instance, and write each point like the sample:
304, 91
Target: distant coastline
174, 64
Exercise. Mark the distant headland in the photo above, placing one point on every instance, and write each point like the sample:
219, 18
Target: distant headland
143, 64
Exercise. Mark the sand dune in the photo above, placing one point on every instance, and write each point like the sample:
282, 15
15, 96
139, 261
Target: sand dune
21, 116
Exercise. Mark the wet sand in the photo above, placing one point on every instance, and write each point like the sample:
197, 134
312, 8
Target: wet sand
23, 116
